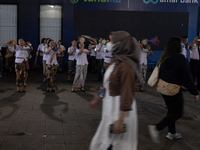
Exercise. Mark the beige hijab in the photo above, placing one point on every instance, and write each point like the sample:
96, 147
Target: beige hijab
127, 51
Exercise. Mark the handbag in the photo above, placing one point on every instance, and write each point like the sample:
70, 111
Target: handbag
166, 88
153, 80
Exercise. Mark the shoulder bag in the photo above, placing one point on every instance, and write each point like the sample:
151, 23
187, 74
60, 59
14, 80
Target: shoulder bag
153, 80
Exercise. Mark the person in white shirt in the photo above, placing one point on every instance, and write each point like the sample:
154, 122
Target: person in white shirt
40, 49
60, 55
184, 41
21, 63
145, 49
72, 59
27, 43
1, 63
194, 64
108, 56
93, 59
44, 60
84, 48
51, 64
100, 59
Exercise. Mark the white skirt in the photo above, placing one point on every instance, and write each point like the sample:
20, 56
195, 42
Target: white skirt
110, 113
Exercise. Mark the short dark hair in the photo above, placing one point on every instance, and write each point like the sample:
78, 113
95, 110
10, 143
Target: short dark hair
73, 40
42, 41
183, 38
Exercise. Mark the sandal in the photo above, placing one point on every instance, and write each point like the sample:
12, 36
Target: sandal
18, 89
141, 89
82, 90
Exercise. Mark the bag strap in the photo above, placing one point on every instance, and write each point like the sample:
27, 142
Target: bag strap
158, 64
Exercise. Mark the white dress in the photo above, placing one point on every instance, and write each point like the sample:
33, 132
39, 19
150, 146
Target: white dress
110, 113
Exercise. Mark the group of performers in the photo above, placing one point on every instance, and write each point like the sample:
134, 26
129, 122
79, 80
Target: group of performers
51, 59
22, 54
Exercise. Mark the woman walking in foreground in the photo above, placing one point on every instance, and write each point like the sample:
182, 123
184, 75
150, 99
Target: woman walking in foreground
119, 104
174, 73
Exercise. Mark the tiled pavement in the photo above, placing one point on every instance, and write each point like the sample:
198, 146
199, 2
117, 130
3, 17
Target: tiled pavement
37, 120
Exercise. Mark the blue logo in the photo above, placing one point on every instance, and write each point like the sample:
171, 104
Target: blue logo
152, 1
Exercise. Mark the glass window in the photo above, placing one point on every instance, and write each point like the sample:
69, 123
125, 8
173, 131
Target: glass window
50, 22
8, 23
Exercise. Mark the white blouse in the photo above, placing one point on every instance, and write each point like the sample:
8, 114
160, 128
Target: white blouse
100, 55
49, 55
40, 49
108, 56
73, 56
184, 50
143, 56
194, 52
63, 47
21, 53
93, 52
43, 50
82, 58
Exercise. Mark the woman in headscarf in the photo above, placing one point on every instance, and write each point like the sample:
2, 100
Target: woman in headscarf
119, 104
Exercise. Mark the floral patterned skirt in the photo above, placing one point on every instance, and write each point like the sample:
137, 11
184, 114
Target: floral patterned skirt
21, 74
51, 75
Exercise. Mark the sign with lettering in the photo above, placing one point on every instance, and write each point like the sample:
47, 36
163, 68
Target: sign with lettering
170, 1
98, 1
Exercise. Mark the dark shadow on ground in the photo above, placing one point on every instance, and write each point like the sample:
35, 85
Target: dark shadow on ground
49, 102
10, 102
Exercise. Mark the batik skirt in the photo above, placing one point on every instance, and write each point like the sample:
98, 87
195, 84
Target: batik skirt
51, 75
142, 77
80, 76
21, 74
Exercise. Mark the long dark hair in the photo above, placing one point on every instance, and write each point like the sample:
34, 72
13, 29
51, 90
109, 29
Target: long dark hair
172, 48
49, 42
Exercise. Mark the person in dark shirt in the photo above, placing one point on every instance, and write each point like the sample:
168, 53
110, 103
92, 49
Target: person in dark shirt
173, 70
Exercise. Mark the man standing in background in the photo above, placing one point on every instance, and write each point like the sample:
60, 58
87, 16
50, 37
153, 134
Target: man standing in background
194, 48
100, 59
184, 41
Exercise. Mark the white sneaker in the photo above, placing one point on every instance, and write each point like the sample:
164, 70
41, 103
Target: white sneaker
173, 136
154, 133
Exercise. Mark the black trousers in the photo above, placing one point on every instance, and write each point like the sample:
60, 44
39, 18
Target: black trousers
100, 68
71, 67
195, 69
93, 63
175, 111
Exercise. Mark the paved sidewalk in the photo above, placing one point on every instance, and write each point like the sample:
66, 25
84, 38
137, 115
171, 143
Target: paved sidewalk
37, 120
